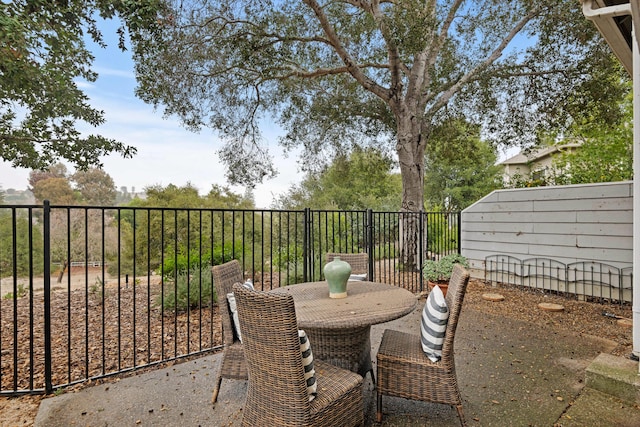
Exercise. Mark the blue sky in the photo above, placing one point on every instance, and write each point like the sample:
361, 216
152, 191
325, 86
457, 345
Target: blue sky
167, 153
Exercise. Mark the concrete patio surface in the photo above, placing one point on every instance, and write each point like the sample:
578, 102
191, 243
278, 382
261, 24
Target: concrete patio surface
511, 373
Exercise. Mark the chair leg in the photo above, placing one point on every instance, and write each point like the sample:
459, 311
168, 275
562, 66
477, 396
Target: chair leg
216, 390
379, 408
373, 378
463, 423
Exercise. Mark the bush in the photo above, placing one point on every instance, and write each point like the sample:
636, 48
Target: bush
21, 291
189, 291
183, 261
442, 235
440, 270
385, 251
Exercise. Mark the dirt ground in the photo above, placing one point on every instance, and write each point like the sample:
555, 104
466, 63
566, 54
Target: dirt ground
22, 410
579, 317
77, 280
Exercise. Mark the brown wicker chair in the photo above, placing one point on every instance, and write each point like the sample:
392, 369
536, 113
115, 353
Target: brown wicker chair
233, 365
277, 393
359, 262
405, 371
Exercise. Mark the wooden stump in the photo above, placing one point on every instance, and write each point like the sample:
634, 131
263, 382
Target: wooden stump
493, 297
549, 306
625, 323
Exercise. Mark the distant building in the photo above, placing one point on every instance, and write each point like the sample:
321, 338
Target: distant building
125, 196
18, 197
536, 164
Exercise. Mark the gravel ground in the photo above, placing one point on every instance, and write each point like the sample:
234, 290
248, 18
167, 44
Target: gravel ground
579, 317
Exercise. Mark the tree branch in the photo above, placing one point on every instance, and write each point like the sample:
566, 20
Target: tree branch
529, 73
435, 48
351, 67
364, 5
472, 74
327, 71
276, 37
395, 63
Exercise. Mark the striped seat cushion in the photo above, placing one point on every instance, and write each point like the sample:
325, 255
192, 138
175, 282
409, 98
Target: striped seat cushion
233, 308
434, 324
307, 362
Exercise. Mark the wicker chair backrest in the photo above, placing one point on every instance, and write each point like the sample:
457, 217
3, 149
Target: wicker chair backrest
359, 262
455, 297
224, 277
277, 387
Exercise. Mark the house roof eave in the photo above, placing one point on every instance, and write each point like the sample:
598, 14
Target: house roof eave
613, 18
522, 158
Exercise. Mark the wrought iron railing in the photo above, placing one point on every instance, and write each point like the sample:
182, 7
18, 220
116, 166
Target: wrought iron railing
88, 291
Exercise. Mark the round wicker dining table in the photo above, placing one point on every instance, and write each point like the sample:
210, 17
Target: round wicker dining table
339, 329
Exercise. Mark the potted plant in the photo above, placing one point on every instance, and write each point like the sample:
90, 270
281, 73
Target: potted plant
439, 272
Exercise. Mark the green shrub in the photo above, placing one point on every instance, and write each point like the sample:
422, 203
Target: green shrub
441, 269
385, 251
194, 260
97, 289
189, 291
21, 291
21, 247
184, 262
295, 274
227, 252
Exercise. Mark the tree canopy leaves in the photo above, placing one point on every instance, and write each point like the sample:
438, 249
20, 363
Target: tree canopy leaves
460, 167
362, 180
87, 187
606, 153
95, 186
43, 56
344, 73
187, 196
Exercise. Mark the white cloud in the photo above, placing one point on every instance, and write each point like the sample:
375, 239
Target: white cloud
83, 84
16, 178
107, 71
166, 154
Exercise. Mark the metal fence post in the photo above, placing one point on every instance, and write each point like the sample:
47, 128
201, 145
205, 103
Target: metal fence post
369, 243
459, 218
46, 232
421, 246
306, 246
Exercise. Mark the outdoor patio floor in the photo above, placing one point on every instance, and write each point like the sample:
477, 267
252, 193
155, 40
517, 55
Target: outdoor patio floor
511, 373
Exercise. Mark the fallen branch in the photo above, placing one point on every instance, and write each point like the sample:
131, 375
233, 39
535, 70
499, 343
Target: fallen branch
613, 315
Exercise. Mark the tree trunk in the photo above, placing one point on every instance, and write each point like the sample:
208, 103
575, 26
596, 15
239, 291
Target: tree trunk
410, 150
64, 267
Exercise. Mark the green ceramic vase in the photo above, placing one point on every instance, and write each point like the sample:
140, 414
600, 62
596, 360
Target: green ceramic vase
337, 274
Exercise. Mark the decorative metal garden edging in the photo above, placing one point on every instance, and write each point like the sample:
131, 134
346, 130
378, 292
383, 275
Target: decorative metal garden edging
585, 279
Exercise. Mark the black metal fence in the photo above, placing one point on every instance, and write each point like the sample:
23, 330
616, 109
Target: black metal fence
88, 292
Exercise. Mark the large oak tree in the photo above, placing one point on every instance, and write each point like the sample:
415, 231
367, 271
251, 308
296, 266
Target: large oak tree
384, 73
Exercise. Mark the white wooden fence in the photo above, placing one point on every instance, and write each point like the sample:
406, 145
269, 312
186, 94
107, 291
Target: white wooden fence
577, 225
